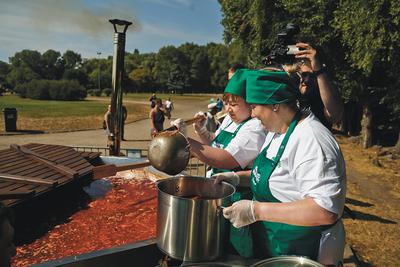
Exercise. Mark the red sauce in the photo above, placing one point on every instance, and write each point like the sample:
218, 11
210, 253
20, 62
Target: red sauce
127, 214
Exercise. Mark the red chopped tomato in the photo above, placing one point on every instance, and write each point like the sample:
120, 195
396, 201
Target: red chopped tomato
126, 214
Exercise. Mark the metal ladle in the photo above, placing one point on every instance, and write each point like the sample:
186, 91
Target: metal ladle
169, 152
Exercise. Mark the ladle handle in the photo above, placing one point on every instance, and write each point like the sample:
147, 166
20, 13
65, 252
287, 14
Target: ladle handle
189, 121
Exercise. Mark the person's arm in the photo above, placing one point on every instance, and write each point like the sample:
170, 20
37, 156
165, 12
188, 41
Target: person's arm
333, 105
215, 157
244, 178
305, 212
200, 128
153, 127
206, 138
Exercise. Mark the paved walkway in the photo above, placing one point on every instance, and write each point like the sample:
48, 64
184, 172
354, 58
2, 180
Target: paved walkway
139, 130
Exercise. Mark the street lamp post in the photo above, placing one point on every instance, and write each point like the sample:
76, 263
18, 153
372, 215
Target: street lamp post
98, 54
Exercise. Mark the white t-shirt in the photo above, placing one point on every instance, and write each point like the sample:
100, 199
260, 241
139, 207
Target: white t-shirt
168, 104
312, 165
247, 143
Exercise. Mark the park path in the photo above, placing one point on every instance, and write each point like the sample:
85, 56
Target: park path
136, 133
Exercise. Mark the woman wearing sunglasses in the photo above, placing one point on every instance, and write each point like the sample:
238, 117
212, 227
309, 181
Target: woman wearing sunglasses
298, 180
318, 93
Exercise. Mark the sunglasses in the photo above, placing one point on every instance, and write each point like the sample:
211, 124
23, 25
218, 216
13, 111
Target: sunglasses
306, 77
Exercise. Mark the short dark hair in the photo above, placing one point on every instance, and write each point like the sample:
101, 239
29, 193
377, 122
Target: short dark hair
236, 66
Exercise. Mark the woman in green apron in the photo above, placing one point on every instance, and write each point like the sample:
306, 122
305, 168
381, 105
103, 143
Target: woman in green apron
298, 180
234, 145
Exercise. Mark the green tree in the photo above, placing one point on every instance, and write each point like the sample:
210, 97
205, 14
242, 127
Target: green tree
142, 79
52, 65
4, 71
218, 56
72, 59
360, 38
168, 59
199, 73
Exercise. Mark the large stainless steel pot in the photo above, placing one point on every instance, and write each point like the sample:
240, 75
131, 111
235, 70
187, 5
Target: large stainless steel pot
169, 152
287, 261
190, 224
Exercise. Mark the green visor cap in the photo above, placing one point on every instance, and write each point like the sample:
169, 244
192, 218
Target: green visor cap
237, 84
270, 87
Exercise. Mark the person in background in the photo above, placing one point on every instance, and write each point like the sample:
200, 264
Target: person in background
219, 104
232, 69
157, 117
211, 123
234, 145
107, 121
298, 180
169, 106
152, 100
318, 92
124, 117
7, 247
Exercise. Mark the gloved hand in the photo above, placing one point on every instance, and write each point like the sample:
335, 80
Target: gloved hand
181, 125
241, 213
229, 177
200, 126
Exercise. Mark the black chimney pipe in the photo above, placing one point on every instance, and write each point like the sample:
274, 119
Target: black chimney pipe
114, 139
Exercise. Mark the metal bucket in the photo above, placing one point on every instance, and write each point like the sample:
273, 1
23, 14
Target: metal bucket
287, 261
190, 224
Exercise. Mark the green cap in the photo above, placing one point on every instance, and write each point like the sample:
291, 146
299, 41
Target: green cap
237, 84
270, 87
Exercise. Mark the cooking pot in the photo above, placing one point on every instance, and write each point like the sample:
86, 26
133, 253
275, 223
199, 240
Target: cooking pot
169, 152
190, 224
287, 261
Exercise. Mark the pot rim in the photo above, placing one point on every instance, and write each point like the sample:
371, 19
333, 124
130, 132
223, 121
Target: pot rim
194, 178
292, 258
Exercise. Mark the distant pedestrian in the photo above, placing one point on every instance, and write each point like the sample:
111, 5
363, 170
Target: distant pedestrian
169, 106
124, 117
152, 100
211, 123
107, 121
220, 104
157, 117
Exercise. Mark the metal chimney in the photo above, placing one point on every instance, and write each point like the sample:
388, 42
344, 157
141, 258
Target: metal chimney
114, 142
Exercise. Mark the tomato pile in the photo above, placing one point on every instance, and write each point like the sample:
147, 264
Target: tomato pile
126, 214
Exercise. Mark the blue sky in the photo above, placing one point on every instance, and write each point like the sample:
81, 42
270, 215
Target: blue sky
82, 25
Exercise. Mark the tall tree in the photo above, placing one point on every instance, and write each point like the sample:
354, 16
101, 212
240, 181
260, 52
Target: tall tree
72, 59
360, 38
52, 64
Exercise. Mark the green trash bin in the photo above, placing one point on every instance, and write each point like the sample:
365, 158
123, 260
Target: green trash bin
10, 119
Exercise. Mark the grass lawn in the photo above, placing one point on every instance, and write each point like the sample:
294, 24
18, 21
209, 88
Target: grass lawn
55, 116
174, 97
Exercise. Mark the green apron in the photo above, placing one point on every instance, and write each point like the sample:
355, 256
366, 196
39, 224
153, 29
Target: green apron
273, 239
238, 237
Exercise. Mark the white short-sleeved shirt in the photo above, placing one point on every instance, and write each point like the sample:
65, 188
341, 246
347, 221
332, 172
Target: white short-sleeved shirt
247, 143
311, 165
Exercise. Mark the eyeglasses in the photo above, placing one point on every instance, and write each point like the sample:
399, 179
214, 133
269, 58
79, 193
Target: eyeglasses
306, 77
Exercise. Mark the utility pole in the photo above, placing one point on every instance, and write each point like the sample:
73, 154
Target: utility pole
120, 27
98, 59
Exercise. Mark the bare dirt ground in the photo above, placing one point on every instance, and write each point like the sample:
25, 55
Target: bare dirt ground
373, 184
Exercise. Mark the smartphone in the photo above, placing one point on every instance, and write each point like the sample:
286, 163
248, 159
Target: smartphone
292, 49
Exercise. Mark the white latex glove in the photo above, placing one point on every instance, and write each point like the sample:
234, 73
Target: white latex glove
229, 177
181, 125
241, 213
200, 126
